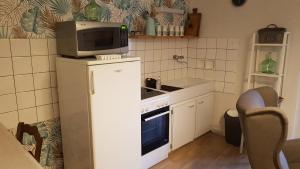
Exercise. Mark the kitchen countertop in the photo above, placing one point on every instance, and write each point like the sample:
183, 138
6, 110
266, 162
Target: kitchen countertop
12, 154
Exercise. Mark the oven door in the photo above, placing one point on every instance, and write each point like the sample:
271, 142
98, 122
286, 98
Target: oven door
97, 39
155, 129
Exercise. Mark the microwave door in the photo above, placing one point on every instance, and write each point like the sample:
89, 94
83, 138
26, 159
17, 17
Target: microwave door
97, 39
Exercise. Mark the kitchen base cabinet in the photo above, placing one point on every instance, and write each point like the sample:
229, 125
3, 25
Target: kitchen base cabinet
183, 123
190, 119
204, 114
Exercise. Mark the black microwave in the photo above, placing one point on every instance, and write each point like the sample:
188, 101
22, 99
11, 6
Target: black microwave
88, 38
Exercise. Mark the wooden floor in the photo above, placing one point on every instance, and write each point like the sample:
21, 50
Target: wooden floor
207, 152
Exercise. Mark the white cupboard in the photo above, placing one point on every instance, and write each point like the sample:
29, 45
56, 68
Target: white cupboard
190, 119
204, 114
183, 123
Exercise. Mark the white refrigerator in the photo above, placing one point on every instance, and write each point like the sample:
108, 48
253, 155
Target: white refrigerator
100, 113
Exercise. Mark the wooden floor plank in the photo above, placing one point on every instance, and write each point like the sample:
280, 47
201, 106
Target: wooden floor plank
207, 152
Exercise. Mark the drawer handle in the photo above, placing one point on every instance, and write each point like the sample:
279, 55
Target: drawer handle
118, 70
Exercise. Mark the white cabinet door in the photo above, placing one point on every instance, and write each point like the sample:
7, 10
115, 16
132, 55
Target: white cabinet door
204, 114
115, 115
183, 123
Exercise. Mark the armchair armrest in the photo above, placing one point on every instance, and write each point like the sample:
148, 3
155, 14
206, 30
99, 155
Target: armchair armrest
292, 151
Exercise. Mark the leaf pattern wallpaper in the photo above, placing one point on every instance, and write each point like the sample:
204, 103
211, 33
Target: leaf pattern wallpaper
37, 18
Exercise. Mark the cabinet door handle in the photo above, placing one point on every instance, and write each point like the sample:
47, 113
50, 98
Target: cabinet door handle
92, 83
192, 106
201, 102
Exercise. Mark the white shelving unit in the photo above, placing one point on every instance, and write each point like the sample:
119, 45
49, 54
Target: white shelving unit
258, 53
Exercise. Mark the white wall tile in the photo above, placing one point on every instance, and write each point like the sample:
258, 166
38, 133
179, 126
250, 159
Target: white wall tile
141, 54
22, 65
40, 64
192, 53
199, 73
220, 65
201, 53
232, 55
233, 44
192, 63
164, 65
142, 68
230, 88
164, 76
171, 75
211, 53
52, 62
140, 44
178, 74
184, 52
202, 43
148, 55
9, 120
164, 54
148, 67
156, 66
231, 66
184, 72
178, 52
5, 48
7, 85
191, 72
164, 44
20, 47
230, 77
157, 44
221, 54
157, 55
6, 67
220, 76
28, 115
52, 47
25, 100
53, 79
209, 64
222, 43
45, 112
39, 47
131, 44
8, 103
200, 64
171, 64
171, 44
209, 75
24, 83
211, 43
171, 53
43, 96
219, 86
41, 80
149, 44
192, 43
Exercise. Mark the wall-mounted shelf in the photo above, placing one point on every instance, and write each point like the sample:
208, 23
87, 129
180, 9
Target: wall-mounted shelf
266, 75
269, 45
170, 10
161, 37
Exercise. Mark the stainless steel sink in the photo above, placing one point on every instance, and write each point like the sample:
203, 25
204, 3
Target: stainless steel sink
169, 88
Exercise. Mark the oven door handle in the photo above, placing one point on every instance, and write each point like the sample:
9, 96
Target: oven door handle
156, 116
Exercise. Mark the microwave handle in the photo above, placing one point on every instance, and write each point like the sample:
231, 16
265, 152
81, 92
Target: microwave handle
156, 116
92, 85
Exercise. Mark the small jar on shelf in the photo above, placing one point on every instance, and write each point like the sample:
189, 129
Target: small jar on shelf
268, 65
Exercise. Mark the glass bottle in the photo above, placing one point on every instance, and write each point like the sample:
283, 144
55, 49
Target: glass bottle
92, 11
268, 65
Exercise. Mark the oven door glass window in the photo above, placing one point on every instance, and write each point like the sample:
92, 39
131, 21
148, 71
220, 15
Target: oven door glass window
155, 133
98, 39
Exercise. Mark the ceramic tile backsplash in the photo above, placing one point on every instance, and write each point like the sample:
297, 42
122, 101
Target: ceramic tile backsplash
215, 59
157, 57
28, 81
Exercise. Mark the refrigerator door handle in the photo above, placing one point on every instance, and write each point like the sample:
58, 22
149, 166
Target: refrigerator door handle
92, 85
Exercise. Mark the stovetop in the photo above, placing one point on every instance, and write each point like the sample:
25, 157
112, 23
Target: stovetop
147, 93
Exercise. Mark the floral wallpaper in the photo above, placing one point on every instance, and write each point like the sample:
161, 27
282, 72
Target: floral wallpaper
37, 18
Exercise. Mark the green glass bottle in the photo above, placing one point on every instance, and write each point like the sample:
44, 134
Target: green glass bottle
92, 11
268, 65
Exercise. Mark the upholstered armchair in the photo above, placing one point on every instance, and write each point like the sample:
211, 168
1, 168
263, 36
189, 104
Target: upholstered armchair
265, 129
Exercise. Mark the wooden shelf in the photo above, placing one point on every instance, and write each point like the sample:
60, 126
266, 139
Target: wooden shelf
266, 75
161, 37
170, 10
